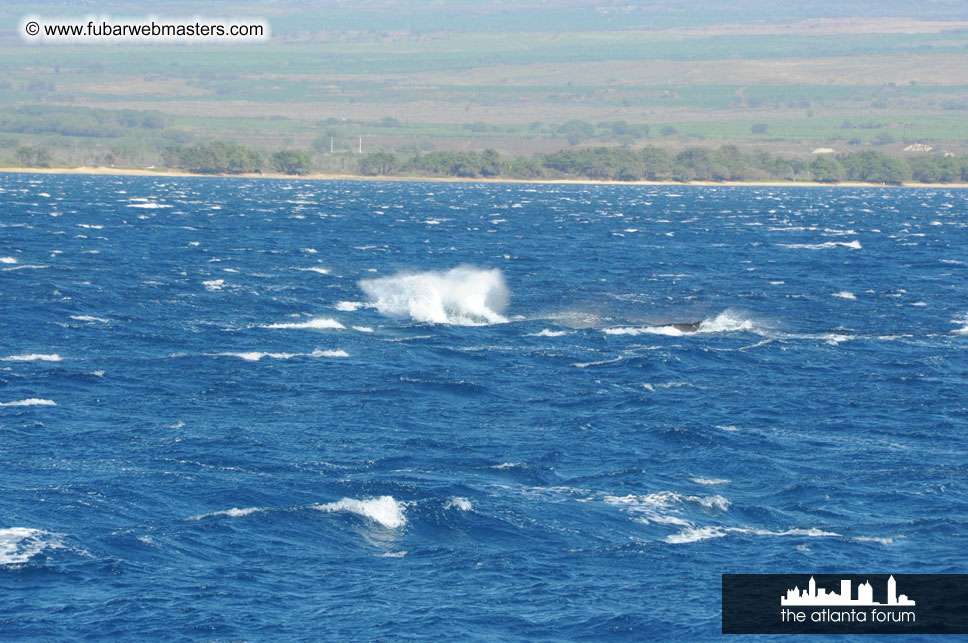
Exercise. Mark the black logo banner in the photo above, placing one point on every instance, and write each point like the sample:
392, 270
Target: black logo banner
845, 604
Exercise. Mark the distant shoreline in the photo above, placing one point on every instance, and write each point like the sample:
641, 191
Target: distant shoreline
114, 171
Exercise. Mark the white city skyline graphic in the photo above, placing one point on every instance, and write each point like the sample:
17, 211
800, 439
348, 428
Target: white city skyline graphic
813, 595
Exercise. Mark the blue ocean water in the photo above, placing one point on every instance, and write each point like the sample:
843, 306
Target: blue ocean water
290, 410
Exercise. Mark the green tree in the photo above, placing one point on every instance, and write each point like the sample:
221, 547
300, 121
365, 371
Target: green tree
875, 167
291, 162
379, 164
826, 169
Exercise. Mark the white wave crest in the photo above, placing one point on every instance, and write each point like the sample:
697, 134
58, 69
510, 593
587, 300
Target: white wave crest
33, 357
463, 504
8, 260
255, 356
710, 481
666, 500
336, 353
384, 510
90, 318
964, 329
148, 206
725, 322
844, 294
853, 245
348, 306
234, 512
319, 323
19, 544
214, 285
32, 401
547, 332
695, 534
465, 296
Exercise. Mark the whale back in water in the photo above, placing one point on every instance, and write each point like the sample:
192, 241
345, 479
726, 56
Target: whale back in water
686, 327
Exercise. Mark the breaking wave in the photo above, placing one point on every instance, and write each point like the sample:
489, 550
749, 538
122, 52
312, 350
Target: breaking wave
853, 245
255, 356
234, 512
725, 322
465, 296
19, 544
33, 401
319, 323
33, 357
695, 534
383, 510
964, 329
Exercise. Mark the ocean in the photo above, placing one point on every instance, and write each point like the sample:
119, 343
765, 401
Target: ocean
267, 410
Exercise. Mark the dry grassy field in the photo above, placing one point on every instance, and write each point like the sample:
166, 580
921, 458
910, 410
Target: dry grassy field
785, 86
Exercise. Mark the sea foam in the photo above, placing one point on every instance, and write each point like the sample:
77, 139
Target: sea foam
725, 322
465, 296
234, 512
853, 245
19, 544
33, 357
32, 401
318, 323
383, 510
696, 534
255, 356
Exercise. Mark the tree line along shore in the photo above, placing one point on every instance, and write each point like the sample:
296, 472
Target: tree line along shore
724, 163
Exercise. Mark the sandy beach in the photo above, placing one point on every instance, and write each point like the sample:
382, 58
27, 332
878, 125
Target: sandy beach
116, 171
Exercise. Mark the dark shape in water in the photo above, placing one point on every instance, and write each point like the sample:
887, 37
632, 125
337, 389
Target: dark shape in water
686, 327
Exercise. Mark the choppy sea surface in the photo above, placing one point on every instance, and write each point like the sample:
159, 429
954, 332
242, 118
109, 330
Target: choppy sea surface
288, 410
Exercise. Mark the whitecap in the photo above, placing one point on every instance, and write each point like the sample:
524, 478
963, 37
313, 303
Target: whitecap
255, 356
665, 500
317, 323
696, 534
465, 296
214, 285
322, 271
19, 544
710, 481
853, 245
385, 510
8, 260
391, 554
348, 306
90, 318
463, 504
39, 266
33, 357
234, 512
844, 294
31, 401
335, 353
363, 329
964, 329
547, 332
725, 322
598, 363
